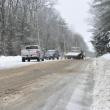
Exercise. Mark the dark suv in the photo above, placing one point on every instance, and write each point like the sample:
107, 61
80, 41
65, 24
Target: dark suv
52, 54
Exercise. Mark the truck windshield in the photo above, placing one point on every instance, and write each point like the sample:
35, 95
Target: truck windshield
32, 47
75, 49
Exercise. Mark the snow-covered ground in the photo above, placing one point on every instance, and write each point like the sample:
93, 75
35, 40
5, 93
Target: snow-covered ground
15, 61
12, 61
101, 92
106, 56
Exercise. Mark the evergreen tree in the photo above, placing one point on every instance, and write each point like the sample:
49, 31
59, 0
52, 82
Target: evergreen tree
101, 25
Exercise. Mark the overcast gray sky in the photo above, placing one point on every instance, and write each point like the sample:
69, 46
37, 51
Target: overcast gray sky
76, 13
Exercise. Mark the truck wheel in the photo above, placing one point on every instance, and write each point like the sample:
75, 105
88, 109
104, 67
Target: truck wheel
28, 59
23, 59
42, 59
83, 57
38, 59
57, 58
49, 58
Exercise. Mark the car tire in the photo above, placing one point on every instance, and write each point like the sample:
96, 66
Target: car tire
23, 59
57, 58
28, 59
42, 59
38, 59
49, 58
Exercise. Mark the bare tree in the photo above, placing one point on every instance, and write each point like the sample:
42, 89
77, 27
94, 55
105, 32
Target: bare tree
25, 22
2, 10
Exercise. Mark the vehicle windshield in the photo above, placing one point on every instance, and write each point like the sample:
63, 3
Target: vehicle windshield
75, 49
50, 51
32, 47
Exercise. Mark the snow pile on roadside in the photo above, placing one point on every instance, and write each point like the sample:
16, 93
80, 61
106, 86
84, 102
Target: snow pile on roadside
101, 93
106, 56
12, 61
16, 61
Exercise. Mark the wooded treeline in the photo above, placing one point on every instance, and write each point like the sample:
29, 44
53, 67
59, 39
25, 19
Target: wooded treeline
101, 25
24, 22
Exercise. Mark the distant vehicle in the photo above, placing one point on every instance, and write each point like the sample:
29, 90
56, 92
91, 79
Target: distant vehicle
52, 54
76, 53
31, 52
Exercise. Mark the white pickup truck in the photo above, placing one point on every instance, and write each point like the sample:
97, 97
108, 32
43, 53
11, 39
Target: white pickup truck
31, 52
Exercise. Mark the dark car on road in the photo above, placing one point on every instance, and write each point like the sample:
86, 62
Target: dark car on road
52, 54
76, 53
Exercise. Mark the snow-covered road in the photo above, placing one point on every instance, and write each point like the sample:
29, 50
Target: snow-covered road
59, 85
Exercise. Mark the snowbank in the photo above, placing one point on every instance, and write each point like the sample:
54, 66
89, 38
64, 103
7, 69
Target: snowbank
12, 61
101, 92
16, 61
106, 56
